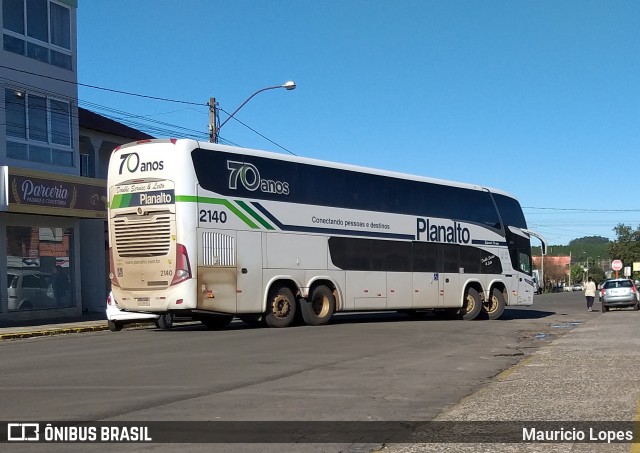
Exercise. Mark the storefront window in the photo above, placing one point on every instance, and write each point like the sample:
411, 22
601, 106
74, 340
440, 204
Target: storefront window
39, 268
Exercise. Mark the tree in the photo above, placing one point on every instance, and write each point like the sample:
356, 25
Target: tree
554, 272
578, 274
589, 240
626, 247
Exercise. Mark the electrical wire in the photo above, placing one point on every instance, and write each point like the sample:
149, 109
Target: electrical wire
146, 97
106, 89
255, 131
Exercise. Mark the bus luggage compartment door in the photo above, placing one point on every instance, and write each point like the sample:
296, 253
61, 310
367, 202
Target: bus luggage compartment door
249, 272
217, 272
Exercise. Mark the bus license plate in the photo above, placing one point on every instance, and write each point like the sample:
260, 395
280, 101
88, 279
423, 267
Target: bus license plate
143, 301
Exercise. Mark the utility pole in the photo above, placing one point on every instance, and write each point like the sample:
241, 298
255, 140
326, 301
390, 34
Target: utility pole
213, 120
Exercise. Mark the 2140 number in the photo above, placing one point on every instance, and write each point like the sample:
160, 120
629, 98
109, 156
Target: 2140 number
207, 215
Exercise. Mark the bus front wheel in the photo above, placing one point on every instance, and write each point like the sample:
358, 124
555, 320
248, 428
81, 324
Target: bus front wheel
495, 305
165, 321
114, 326
319, 307
472, 305
281, 307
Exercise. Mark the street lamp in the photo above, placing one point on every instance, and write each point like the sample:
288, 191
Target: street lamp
290, 85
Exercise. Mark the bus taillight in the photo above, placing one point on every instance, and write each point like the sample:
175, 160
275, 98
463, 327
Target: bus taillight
183, 268
112, 275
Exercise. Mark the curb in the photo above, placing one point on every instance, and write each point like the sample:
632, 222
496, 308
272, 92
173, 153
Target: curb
51, 332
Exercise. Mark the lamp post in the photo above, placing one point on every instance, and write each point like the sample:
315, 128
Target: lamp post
586, 270
290, 85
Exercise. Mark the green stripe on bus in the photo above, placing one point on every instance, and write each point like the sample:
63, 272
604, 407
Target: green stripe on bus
225, 203
121, 201
254, 214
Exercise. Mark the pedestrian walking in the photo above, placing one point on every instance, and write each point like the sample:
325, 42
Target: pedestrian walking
590, 293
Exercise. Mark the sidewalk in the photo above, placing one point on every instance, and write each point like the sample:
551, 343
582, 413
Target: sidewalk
590, 374
10, 330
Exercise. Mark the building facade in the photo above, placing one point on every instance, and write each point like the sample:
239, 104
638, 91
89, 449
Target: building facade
53, 165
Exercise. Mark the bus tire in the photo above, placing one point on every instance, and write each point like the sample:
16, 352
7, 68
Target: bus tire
165, 321
495, 305
281, 307
114, 326
319, 307
472, 305
216, 322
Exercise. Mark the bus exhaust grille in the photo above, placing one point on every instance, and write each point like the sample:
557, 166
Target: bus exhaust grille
142, 236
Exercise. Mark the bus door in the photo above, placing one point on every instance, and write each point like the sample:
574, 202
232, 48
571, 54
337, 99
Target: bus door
525, 279
449, 279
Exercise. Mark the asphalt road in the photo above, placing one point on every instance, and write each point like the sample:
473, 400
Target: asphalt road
360, 367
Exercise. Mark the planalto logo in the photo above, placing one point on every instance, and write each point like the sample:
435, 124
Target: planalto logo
249, 177
433, 232
131, 161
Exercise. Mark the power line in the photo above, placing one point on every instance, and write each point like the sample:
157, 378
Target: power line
106, 89
156, 127
146, 97
253, 130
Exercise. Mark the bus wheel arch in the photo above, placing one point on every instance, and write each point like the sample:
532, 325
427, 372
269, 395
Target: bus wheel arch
318, 308
282, 304
496, 302
472, 304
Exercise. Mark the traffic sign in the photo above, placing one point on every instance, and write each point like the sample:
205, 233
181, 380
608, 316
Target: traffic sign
616, 265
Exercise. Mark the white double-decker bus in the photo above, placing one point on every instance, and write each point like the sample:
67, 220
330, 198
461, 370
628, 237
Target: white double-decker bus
214, 232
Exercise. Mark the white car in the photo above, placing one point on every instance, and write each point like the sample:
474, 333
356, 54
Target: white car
29, 290
117, 318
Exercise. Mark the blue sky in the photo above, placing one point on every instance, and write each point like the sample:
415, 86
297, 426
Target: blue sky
537, 98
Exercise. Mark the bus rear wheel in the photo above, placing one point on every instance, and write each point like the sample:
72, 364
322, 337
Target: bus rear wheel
216, 322
319, 307
472, 305
281, 307
495, 305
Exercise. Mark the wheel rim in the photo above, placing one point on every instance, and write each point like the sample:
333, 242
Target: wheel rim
492, 305
471, 304
320, 306
280, 306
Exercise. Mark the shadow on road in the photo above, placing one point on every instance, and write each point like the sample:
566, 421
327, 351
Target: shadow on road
386, 317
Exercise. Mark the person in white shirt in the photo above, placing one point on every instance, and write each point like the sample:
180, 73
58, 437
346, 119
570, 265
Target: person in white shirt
590, 293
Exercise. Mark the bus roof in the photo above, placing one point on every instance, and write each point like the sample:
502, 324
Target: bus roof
189, 143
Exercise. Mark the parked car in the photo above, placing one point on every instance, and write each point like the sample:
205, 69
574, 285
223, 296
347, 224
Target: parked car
29, 289
576, 287
619, 293
117, 318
